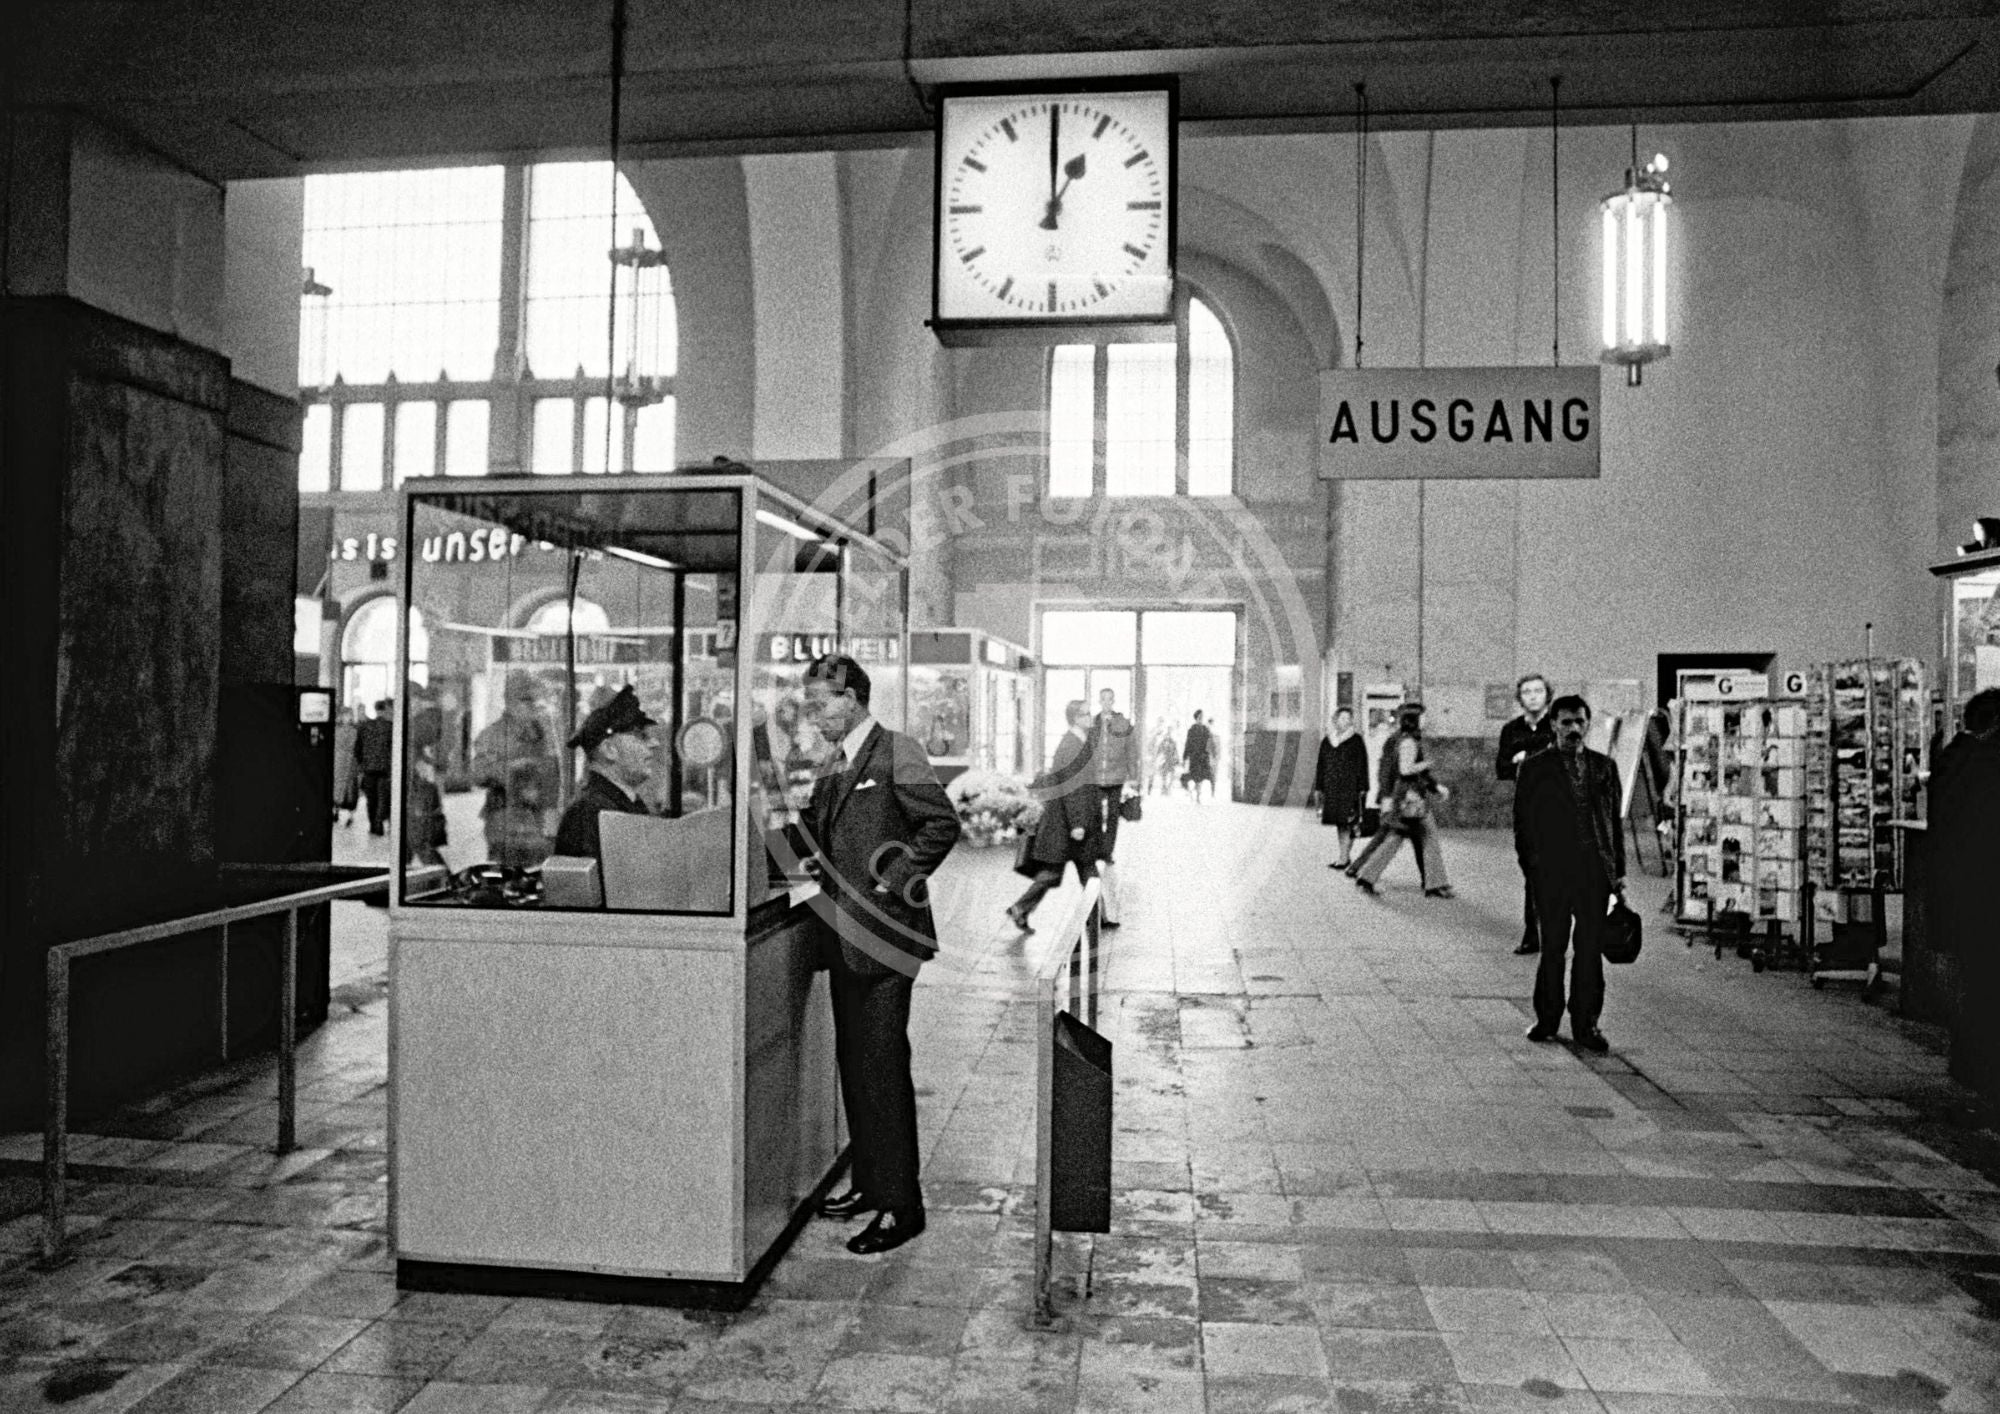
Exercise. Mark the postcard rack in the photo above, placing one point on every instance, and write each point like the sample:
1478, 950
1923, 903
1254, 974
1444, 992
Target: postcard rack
1738, 815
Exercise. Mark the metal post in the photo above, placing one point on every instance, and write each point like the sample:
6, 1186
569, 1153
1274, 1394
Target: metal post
1044, 1314
55, 1118
288, 1038
222, 990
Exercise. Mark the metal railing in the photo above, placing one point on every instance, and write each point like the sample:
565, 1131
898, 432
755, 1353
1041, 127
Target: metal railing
1069, 979
55, 1122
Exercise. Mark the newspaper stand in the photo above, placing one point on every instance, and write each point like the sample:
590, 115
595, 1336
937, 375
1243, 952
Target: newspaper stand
1737, 813
1867, 720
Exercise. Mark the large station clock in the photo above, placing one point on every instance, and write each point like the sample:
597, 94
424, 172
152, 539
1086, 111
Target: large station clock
1055, 214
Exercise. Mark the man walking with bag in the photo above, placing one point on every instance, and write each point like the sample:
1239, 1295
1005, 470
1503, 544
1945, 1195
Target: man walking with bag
1071, 828
1566, 835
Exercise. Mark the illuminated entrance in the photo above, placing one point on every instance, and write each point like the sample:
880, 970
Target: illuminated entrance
1162, 666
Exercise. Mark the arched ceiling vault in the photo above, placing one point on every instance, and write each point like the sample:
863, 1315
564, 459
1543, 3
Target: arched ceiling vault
247, 88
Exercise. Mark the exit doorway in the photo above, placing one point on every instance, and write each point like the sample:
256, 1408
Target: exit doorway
1161, 666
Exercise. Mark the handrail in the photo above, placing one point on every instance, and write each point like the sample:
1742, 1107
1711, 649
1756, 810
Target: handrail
1068, 979
55, 1116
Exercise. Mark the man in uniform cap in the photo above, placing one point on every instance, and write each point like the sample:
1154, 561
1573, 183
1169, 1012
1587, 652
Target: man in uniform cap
619, 755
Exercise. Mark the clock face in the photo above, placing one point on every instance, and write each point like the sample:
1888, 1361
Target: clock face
1055, 207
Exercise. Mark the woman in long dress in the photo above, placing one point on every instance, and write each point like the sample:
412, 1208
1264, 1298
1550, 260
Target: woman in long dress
1341, 782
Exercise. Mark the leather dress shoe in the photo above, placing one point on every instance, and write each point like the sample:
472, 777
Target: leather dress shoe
1539, 1032
891, 1228
851, 1203
1527, 949
1593, 1041
1109, 923
1019, 920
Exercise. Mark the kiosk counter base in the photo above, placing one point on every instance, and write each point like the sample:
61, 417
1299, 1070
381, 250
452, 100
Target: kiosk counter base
630, 1116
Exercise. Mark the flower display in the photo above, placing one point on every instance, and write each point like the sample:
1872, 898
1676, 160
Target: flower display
993, 807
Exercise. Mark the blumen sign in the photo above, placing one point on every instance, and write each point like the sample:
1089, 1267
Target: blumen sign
1404, 424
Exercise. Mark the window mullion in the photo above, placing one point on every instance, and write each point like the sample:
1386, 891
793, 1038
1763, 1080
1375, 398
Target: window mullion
1182, 367
1100, 426
507, 421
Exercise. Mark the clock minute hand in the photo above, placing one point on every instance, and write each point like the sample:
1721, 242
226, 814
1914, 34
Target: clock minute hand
1055, 140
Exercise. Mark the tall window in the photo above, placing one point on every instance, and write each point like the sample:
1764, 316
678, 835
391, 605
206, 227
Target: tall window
410, 362
1146, 419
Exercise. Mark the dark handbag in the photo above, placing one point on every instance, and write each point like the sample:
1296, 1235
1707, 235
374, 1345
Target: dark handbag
1621, 940
1370, 823
1024, 854
1129, 809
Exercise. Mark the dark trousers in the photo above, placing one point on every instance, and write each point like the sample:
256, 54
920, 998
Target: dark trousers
1043, 883
1572, 918
375, 785
871, 1043
1531, 934
1108, 801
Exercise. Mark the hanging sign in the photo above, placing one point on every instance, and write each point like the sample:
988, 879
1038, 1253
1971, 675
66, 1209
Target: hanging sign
1406, 424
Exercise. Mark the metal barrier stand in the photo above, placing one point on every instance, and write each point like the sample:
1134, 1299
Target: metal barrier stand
1067, 980
55, 1122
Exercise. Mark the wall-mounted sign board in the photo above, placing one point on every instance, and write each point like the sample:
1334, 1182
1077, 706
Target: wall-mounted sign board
1407, 424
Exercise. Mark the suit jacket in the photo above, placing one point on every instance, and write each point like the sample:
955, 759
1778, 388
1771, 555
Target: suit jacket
1069, 801
375, 744
884, 821
578, 834
1546, 834
1114, 749
1516, 737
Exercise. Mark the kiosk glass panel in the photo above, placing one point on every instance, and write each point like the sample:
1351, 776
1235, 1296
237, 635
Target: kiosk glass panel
581, 661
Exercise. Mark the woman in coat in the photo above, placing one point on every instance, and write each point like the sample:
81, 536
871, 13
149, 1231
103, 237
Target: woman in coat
1341, 782
1198, 758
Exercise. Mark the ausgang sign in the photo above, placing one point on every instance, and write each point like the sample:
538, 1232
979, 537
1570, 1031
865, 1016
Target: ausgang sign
1401, 424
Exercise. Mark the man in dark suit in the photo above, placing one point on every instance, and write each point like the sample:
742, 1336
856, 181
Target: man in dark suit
1071, 827
1567, 838
879, 824
1114, 765
1526, 735
374, 755
615, 742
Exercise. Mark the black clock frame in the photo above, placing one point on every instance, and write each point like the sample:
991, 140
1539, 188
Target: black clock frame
1084, 329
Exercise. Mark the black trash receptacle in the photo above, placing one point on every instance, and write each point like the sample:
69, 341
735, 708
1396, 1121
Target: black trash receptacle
1080, 1130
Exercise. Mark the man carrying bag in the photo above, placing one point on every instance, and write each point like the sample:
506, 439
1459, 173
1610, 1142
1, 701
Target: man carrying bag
1566, 834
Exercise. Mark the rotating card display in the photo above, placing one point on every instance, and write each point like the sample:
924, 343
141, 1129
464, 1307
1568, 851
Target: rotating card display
1866, 748
1741, 808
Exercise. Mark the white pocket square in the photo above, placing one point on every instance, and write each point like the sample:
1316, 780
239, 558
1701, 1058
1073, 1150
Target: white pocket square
866, 785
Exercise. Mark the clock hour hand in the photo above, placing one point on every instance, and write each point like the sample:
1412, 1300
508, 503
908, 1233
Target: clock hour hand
1072, 169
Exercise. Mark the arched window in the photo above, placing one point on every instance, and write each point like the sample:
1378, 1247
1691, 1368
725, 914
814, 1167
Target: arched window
554, 617
1146, 419
404, 365
368, 651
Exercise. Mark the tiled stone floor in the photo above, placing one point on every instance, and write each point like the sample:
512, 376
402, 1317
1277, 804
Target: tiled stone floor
1344, 1182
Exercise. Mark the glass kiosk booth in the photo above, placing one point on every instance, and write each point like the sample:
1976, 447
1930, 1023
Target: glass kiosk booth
611, 1072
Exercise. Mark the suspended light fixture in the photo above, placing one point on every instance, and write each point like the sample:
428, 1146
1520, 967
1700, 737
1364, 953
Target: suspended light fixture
639, 313
314, 301
1635, 267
